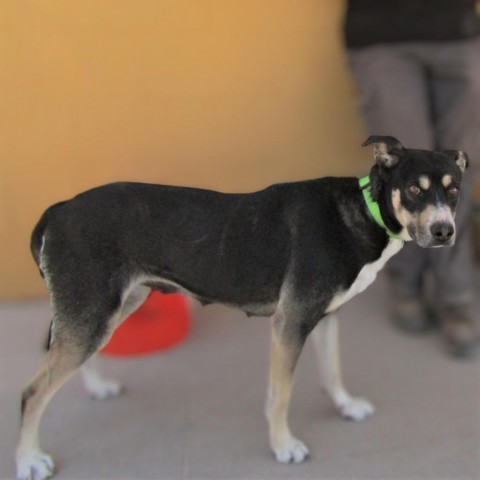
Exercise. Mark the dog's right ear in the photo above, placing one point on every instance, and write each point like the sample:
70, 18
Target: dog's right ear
386, 150
460, 157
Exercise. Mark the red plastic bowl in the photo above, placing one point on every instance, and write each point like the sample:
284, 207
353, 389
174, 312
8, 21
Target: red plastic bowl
160, 323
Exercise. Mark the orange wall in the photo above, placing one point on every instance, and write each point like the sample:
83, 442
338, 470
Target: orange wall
226, 94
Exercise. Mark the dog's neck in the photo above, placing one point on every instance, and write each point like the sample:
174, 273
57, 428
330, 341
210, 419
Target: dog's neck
375, 210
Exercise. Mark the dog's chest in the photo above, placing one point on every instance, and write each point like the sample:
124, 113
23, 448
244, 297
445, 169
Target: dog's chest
366, 276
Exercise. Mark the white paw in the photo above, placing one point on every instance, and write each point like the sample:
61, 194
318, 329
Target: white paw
293, 451
103, 389
35, 466
356, 409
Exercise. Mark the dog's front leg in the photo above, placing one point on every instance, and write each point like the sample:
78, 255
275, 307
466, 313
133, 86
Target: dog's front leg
287, 343
325, 337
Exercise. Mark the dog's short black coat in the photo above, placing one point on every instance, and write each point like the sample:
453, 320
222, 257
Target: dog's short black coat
313, 231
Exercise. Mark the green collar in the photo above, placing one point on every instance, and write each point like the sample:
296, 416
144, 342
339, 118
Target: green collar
373, 207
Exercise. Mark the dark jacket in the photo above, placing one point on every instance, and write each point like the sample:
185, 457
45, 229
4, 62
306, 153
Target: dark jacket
370, 22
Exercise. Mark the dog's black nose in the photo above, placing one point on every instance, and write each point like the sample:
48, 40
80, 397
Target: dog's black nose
442, 231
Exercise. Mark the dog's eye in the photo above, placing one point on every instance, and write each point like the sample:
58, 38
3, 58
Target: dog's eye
453, 191
414, 189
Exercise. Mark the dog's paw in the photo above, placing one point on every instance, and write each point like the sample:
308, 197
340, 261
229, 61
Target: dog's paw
104, 389
356, 409
35, 466
292, 451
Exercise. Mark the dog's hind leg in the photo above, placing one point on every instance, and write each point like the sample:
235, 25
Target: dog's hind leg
325, 337
98, 387
73, 342
287, 343
60, 363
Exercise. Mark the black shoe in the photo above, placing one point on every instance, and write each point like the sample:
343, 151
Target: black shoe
459, 330
410, 315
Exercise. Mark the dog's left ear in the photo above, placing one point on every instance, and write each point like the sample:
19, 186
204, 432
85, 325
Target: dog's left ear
460, 157
386, 150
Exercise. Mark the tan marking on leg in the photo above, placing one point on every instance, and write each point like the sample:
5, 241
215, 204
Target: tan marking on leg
424, 182
283, 359
446, 180
58, 367
63, 359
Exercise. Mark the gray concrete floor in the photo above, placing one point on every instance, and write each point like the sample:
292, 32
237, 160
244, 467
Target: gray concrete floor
196, 411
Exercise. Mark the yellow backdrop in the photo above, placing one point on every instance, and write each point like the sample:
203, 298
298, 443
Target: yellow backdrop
225, 94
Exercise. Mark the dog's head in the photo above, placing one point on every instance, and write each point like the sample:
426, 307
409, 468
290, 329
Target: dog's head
418, 190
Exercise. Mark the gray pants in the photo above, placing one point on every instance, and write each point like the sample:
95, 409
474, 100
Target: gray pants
428, 96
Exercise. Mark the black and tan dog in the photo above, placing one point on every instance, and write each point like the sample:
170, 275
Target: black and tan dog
294, 251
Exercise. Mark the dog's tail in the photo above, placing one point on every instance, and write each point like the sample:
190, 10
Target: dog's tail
37, 234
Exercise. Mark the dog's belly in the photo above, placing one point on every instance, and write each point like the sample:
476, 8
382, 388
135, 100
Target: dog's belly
167, 286
366, 276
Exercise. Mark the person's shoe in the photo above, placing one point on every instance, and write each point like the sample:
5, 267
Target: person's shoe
410, 314
459, 330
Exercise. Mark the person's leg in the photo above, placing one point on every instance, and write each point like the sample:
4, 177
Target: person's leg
393, 94
456, 98
394, 98
453, 283
452, 267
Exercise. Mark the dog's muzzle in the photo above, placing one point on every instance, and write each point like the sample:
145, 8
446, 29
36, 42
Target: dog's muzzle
438, 234
434, 227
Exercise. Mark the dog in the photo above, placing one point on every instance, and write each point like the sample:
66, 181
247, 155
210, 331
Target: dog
294, 251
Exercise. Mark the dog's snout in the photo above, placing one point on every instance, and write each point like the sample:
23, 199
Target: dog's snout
442, 231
